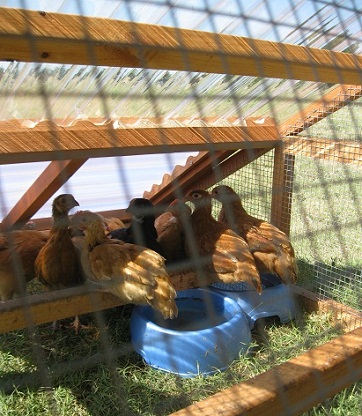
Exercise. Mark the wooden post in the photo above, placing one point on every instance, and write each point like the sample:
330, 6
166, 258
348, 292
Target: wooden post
283, 177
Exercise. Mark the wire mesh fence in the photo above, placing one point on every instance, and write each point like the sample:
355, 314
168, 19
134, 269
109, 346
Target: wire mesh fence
115, 100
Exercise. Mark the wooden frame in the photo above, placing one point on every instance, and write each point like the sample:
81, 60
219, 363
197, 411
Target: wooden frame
62, 38
47, 141
49, 37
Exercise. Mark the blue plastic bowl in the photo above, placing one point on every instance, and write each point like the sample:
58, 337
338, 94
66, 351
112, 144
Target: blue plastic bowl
276, 299
211, 330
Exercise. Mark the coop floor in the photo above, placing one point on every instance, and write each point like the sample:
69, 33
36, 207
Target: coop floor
96, 371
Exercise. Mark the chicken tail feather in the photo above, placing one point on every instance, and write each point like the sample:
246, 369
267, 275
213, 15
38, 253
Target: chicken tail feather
163, 298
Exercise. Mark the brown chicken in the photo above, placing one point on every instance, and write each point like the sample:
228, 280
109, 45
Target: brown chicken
113, 223
133, 273
271, 248
170, 227
58, 265
110, 224
18, 251
225, 256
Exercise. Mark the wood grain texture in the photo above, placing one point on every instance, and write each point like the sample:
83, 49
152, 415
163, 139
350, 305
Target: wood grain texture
335, 99
293, 387
47, 141
68, 39
42, 308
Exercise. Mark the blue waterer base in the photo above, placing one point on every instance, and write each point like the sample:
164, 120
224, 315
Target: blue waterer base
210, 332
276, 299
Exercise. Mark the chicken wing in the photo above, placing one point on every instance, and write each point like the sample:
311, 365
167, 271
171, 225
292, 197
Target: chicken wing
224, 254
134, 273
170, 227
18, 251
271, 248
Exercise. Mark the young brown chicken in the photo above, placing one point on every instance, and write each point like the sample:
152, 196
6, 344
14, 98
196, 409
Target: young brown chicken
133, 273
113, 223
18, 251
142, 229
170, 227
271, 248
58, 265
225, 254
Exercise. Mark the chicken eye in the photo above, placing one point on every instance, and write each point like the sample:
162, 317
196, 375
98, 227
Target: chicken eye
196, 195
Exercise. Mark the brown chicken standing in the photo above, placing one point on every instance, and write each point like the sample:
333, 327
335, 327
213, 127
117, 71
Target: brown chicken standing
18, 251
58, 265
133, 273
170, 227
271, 248
225, 255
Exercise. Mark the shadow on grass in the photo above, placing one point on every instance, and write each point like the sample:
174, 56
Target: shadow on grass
95, 366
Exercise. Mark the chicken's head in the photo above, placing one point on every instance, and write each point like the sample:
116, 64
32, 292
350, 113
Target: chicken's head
63, 203
224, 193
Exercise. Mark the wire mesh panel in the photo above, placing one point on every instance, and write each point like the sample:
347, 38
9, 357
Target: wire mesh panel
327, 203
155, 113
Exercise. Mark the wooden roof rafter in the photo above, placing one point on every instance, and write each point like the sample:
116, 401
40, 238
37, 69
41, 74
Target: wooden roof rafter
332, 101
33, 36
76, 143
47, 141
343, 150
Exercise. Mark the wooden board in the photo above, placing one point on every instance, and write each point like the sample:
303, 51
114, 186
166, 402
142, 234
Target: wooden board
335, 99
47, 307
341, 151
47, 141
32, 36
292, 387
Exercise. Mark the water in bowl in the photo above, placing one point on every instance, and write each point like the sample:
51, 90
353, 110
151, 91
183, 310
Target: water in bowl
195, 315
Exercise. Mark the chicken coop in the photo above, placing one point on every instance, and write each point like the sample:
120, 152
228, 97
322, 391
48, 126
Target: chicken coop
112, 100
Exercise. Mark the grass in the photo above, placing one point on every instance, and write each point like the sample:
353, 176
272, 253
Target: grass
89, 375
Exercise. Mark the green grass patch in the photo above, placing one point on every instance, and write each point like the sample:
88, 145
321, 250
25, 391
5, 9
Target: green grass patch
97, 373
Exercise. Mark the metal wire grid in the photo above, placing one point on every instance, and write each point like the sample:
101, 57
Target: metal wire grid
326, 216
254, 184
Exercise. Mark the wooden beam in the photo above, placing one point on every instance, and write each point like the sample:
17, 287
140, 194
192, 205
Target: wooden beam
343, 151
344, 316
47, 141
292, 387
183, 178
207, 168
42, 308
282, 190
32, 36
335, 99
332, 101
44, 187
47, 307
46, 223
